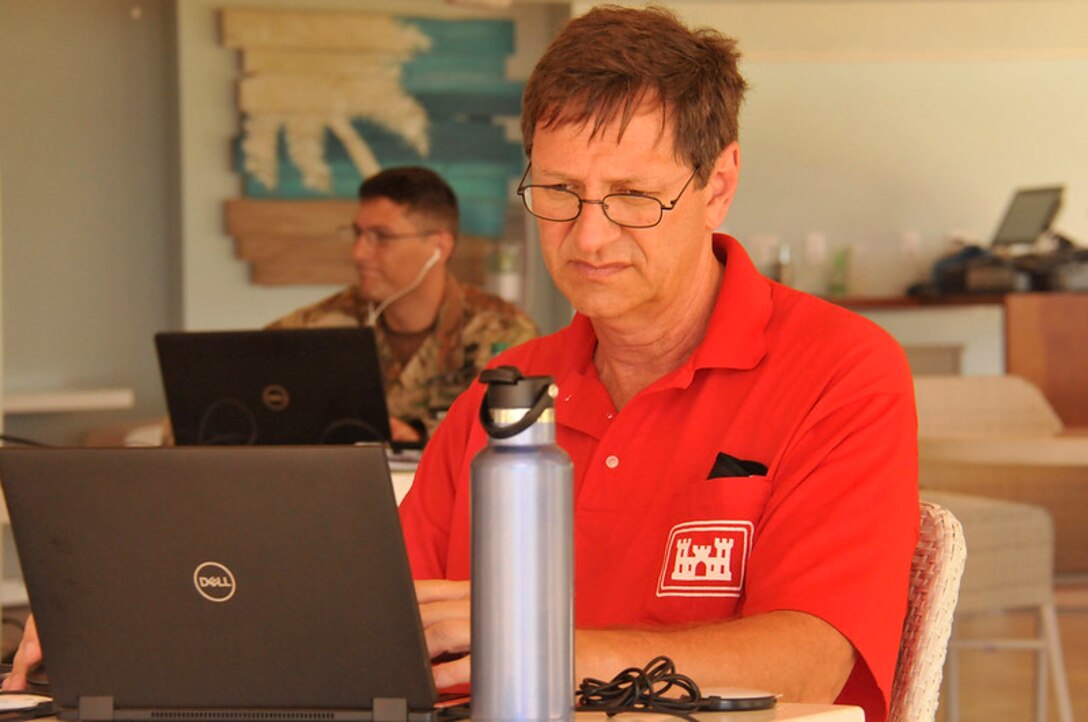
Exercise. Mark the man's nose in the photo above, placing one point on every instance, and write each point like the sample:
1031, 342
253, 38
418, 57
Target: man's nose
362, 249
592, 228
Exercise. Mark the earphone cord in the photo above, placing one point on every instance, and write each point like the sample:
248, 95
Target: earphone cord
375, 312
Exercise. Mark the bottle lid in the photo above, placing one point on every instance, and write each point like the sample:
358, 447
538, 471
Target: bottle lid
507, 388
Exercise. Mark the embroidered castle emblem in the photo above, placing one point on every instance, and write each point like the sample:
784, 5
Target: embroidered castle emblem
705, 559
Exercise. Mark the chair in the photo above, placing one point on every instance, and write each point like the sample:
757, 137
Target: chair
934, 585
1011, 568
999, 437
983, 407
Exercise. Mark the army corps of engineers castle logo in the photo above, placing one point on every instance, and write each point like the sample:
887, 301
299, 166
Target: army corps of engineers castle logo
705, 559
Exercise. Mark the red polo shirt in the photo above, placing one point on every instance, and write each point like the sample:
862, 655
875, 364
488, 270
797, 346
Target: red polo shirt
776, 469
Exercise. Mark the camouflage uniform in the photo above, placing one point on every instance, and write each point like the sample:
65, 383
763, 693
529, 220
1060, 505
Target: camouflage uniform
472, 326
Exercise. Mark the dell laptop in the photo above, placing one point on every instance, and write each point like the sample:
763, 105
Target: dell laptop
297, 386
203, 583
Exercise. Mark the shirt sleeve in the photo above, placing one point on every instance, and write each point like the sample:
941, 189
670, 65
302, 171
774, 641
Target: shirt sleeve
841, 523
428, 509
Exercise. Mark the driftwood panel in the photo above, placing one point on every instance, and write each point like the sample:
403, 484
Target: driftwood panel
293, 242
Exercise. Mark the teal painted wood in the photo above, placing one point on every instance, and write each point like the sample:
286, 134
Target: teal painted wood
498, 98
473, 68
467, 37
469, 182
451, 142
462, 85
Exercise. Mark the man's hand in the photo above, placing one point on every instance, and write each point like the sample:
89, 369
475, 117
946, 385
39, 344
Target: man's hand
401, 430
794, 654
445, 607
27, 657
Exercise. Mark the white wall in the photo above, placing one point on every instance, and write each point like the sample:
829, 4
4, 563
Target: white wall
977, 330
86, 136
866, 120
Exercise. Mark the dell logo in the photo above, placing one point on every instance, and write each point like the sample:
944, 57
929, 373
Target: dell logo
214, 581
275, 397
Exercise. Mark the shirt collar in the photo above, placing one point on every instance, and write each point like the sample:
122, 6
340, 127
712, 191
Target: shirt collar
735, 335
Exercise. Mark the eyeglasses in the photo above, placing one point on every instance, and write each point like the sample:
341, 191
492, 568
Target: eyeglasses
631, 210
376, 236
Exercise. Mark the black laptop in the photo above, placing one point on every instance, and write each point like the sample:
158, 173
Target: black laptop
204, 583
298, 386
1028, 215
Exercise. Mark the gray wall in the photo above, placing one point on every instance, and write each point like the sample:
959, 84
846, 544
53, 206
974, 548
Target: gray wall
89, 202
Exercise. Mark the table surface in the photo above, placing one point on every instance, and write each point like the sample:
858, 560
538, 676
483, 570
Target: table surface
781, 711
1066, 450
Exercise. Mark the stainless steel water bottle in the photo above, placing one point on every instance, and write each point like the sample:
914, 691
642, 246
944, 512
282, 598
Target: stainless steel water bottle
522, 557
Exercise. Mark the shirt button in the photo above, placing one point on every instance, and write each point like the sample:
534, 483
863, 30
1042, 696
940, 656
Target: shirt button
609, 415
612, 461
568, 397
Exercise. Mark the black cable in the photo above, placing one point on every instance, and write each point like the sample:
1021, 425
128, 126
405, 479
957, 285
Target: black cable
457, 712
641, 689
13, 621
21, 440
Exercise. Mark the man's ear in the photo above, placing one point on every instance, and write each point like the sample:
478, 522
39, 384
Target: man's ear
444, 242
722, 185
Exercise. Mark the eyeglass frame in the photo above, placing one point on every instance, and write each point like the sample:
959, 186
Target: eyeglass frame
376, 238
602, 201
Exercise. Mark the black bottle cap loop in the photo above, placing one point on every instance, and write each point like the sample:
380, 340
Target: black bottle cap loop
507, 388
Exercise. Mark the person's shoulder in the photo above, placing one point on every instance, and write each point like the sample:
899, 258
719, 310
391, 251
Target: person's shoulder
480, 301
839, 340
339, 309
490, 314
819, 318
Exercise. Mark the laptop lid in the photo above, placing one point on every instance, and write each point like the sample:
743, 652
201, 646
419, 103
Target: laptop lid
1028, 215
289, 386
192, 579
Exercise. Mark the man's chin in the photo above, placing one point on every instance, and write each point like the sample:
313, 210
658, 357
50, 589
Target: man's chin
602, 308
371, 294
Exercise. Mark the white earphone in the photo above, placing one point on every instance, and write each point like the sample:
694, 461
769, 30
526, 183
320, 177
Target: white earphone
376, 312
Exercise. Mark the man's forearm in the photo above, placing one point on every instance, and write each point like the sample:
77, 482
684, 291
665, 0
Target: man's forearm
793, 654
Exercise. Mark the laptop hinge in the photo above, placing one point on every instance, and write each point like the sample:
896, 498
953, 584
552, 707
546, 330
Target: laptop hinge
96, 709
390, 709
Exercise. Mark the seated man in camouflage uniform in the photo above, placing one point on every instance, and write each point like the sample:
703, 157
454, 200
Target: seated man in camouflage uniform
434, 333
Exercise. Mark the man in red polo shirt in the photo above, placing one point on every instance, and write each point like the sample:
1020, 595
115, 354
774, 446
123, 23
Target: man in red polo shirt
744, 454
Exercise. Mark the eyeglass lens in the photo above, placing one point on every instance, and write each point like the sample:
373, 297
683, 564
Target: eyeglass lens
558, 204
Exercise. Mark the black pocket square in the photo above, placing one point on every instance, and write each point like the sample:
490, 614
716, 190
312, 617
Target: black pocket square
727, 466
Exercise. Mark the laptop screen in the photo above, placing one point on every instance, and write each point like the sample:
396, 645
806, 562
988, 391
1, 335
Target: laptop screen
1029, 215
201, 578
298, 386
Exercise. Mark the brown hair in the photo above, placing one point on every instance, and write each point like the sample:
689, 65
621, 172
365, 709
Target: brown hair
604, 64
422, 190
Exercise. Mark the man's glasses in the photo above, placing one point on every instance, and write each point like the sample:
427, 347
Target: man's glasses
375, 237
631, 210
